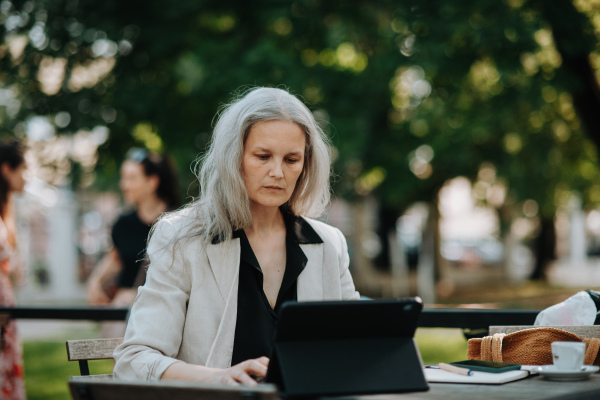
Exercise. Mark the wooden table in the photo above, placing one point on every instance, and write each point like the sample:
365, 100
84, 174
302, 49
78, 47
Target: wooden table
533, 388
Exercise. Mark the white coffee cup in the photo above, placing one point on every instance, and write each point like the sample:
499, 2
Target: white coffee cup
568, 356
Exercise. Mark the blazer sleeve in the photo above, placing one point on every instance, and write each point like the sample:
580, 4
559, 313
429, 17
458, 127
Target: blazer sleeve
155, 326
347, 284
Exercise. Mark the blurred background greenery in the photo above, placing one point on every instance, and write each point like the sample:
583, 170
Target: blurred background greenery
499, 98
414, 95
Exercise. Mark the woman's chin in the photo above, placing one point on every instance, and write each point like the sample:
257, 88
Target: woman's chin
268, 203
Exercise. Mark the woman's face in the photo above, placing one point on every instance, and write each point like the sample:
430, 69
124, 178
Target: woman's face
135, 184
272, 162
15, 177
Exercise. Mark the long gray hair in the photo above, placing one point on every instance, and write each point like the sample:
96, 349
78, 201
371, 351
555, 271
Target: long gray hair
223, 205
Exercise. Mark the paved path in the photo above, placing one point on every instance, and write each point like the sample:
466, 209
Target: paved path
48, 330
567, 274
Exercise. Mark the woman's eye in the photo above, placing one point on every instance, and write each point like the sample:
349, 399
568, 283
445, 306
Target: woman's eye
263, 157
292, 160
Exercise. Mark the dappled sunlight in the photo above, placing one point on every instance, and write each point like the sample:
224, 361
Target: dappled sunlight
595, 61
512, 142
485, 78
368, 181
87, 75
282, 26
565, 107
16, 46
51, 74
546, 58
51, 156
147, 134
409, 89
344, 57
420, 161
217, 22
349, 58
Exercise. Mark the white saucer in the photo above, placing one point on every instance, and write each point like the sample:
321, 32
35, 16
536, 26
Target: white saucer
551, 373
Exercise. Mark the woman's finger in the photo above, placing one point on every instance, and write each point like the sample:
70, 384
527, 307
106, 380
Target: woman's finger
228, 380
254, 367
244, 378
264, 361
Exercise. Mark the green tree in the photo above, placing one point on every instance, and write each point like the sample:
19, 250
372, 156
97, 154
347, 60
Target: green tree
412, 93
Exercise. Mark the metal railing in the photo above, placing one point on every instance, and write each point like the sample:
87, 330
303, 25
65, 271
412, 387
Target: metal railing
468, 319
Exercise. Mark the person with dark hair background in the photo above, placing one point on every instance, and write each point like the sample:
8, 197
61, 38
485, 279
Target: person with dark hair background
12, 180
149, 182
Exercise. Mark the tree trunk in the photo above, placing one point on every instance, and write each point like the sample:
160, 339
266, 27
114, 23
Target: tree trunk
428, 272
544, 247
400, 273
386, 225
575, 40
362, 266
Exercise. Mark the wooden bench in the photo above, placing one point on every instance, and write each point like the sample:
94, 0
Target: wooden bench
91, 349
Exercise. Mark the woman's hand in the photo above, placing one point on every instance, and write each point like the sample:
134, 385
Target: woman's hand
107, 269
124, 297
96, 294
247, 373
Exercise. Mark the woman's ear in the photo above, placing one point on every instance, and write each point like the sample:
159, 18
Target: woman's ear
154, 181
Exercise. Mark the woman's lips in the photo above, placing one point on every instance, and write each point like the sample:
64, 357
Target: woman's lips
273, 187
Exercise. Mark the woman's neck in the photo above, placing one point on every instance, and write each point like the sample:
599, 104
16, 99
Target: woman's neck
265, 221
150, 209
4, 206
6, 209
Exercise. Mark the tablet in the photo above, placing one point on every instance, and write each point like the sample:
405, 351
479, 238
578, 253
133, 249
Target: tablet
347, 347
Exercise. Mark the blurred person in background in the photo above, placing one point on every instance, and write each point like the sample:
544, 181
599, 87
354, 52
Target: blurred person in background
12, 180
149, 183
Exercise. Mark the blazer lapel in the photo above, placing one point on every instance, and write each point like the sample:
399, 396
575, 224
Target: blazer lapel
224, 260
310, 281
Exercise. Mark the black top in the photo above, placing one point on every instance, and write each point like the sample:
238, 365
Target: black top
256, 319
129, 235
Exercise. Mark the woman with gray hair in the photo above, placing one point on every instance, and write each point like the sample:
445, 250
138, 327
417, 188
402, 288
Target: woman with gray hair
221, 268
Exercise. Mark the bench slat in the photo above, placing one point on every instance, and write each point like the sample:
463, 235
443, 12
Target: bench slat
92, 349
99, 376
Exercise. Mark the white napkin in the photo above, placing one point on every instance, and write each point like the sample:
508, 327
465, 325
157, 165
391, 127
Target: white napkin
578, 309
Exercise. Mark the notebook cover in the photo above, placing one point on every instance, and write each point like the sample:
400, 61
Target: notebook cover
441, 376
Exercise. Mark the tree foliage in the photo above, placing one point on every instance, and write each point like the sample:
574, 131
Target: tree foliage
412, 93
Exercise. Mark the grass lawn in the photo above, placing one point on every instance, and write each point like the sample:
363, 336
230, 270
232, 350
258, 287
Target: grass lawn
441, 345
47, 369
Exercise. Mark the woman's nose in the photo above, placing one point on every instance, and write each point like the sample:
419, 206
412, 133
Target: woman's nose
276, 170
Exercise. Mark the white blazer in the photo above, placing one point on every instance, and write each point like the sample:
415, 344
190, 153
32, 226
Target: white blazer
187, 309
